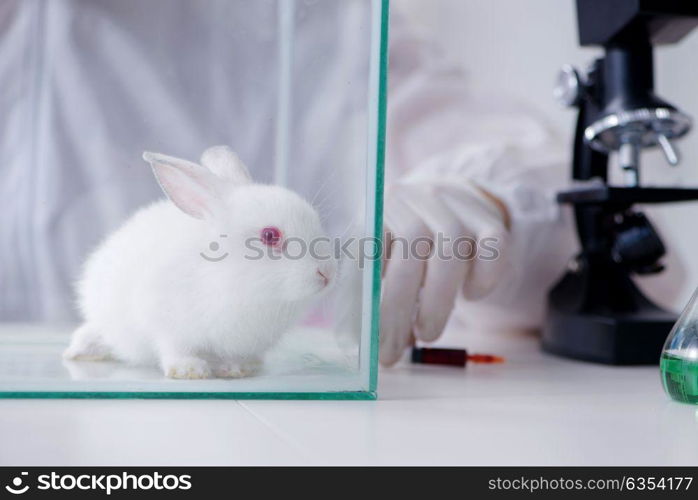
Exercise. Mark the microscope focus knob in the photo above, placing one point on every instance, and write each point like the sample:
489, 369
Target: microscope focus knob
568, 86
637, 244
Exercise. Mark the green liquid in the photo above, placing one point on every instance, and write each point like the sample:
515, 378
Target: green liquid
680, 378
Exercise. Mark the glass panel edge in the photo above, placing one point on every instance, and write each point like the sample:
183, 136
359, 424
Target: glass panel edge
380, 177
348, 395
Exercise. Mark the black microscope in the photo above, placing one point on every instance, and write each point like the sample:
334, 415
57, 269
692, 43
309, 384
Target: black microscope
596, 312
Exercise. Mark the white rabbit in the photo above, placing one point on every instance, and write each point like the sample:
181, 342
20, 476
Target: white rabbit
201, 284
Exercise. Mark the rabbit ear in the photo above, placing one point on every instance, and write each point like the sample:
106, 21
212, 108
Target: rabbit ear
191, 187
224, 163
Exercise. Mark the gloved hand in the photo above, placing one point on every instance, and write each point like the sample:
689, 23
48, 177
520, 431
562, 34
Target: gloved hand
419, 293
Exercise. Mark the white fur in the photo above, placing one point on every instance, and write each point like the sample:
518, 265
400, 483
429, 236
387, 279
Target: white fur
147, 296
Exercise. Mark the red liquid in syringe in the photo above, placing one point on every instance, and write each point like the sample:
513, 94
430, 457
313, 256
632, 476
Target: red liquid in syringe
450, 357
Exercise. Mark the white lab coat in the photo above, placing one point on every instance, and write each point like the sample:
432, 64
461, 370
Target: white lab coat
90, 84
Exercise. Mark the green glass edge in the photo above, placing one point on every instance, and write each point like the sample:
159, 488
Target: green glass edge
380, 175
375, 300
349, 395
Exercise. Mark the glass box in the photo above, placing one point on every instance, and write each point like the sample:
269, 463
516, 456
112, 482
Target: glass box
295, 87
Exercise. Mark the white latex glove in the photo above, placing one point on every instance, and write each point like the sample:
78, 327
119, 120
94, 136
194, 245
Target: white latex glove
419, 293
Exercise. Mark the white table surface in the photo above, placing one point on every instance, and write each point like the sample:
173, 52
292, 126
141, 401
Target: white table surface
535, 409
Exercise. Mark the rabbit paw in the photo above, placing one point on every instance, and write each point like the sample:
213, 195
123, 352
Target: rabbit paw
86, 345
232, 369
187, 368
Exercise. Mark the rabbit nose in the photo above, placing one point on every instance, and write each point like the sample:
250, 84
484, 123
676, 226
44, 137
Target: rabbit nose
324, 276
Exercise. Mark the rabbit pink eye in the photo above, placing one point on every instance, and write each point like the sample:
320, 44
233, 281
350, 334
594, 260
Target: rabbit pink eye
271, 236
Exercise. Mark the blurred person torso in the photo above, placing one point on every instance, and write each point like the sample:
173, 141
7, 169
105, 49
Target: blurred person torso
88, 85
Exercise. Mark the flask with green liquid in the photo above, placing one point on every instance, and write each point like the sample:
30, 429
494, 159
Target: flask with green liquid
679, 362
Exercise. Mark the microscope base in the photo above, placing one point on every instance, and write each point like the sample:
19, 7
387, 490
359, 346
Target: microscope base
634, 339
